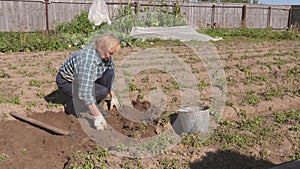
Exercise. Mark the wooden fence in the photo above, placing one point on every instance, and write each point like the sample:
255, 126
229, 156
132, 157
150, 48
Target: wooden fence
32, 15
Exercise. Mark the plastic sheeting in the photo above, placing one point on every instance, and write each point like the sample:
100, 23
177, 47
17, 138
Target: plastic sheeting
98, 13
182, 33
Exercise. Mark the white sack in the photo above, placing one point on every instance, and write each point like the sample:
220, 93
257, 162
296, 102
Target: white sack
98, 13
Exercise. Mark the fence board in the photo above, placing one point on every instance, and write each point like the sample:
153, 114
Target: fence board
30, 15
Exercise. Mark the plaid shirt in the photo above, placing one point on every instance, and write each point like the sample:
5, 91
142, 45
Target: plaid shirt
83, 68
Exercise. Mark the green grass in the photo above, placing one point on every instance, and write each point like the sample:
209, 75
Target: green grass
170, 163
251, 98
3, 157
35, 83
287, 116
13, 100
254, 34
90, 160
260, 131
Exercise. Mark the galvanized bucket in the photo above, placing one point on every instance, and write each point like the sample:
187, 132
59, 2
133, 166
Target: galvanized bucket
194, 119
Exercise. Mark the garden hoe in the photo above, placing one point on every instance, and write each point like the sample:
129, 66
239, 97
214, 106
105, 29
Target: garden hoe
43, 125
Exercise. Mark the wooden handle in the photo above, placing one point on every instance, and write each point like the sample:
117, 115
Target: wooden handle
39, 124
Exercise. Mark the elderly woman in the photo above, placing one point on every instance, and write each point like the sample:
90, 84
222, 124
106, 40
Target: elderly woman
88, 75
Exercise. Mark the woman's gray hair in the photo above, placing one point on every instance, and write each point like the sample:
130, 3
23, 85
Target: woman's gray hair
107, 43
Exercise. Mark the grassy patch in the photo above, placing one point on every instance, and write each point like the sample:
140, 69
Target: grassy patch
3, 157
91, 160
254, 34
35, 83
247, 133
170, 163
251, 98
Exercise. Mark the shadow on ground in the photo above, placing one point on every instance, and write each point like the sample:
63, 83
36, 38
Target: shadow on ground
230, 160
57, 97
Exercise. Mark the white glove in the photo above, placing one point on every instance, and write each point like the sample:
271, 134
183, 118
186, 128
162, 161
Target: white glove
99, 122
114, 102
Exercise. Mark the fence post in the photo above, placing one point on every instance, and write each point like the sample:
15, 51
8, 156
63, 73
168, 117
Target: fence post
137, 7
269, 16
290, 18
244, 16
47, 16
213, 13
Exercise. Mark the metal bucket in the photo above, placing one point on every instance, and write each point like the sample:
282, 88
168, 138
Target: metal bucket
194, 119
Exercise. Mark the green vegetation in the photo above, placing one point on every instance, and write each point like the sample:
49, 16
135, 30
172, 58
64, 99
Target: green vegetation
13, 100
50, 104
3, 74
286, 117
170, 163
91, 160
255, 34
31, 104
76, 34
129, 163
35, 83
251, 97
244, 134
3, 157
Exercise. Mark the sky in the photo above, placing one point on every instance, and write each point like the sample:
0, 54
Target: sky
280, 2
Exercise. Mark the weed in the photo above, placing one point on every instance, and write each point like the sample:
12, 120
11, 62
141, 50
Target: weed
251, 97
129, 163
295, 128
272, 92
167, 89
132, 87
175, 84
3, 157
169, 163
145, 79
35, 83
10, 66
294, 72
250, 79
229, 103
13, 100
285, 117
230, 54
153, 88
30, 105
55, 105
268, 65
231, 138
230, 81
157, 146
202, 84
143, 126
140, 95
296, 156
4, 75
244, 69
164, 118
252, 34
195, 140
91, 160
25, 73
250, 124
41, 94
174, 99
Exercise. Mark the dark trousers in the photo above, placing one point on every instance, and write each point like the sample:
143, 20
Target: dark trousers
102, 88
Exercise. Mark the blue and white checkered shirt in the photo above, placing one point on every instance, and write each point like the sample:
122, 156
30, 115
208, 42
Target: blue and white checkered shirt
83, 68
